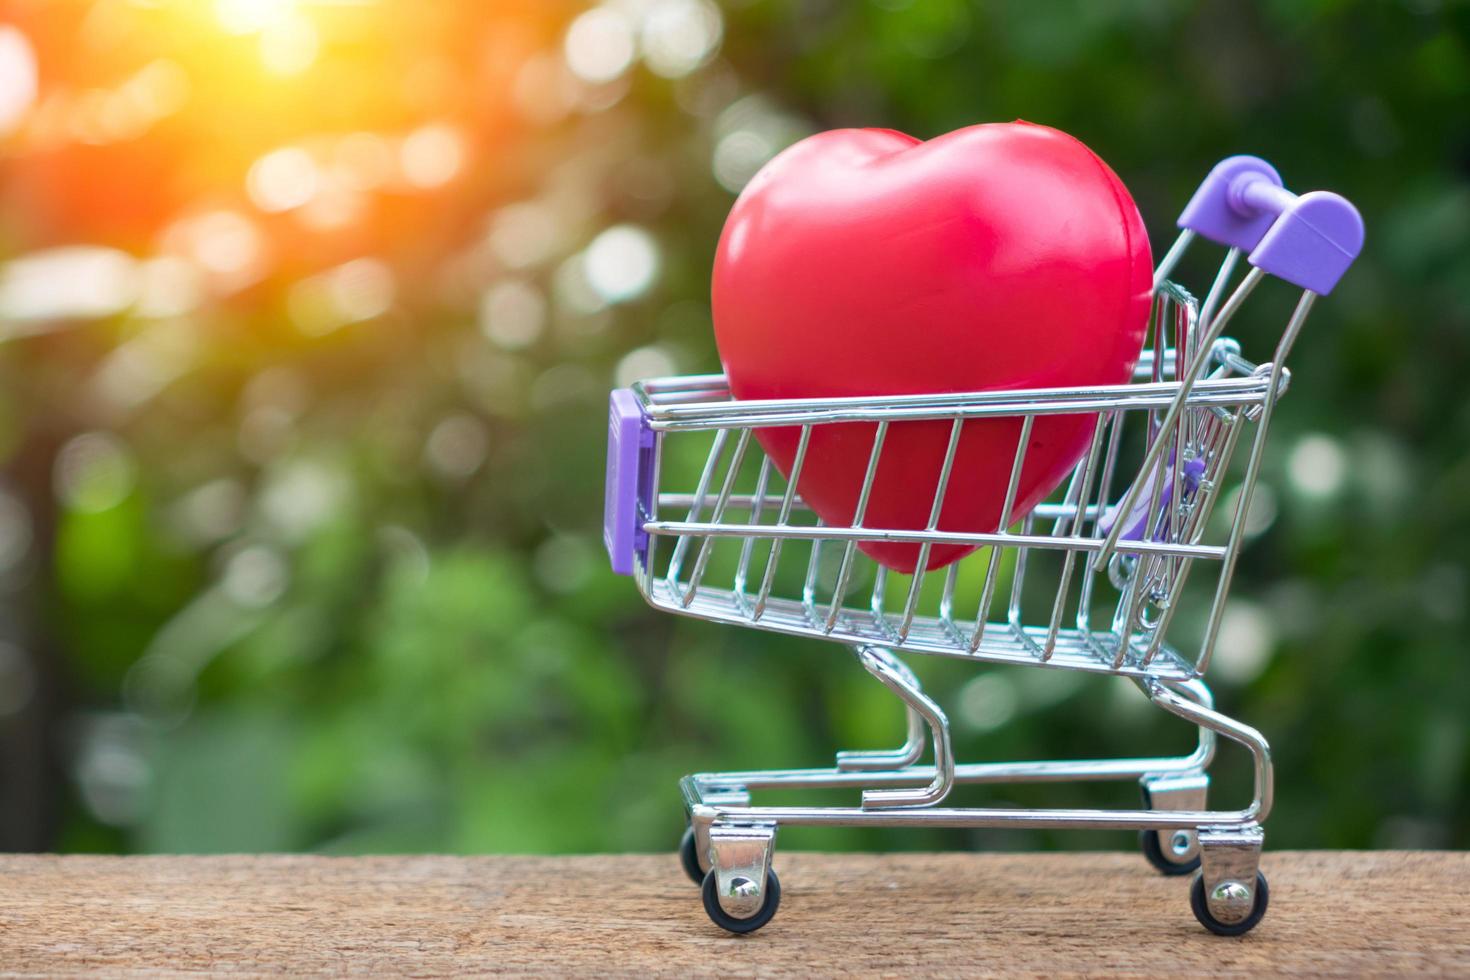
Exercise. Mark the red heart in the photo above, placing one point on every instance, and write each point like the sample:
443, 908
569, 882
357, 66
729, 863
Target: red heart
866, 262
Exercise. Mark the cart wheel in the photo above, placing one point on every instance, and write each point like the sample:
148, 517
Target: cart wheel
1202, 909
1168, 864
729, 923
689, 858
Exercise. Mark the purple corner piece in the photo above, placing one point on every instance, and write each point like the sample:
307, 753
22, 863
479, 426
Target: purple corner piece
1215, 211
630, 453
1313, 242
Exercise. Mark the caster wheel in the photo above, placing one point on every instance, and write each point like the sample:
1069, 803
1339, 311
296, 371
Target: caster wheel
1202, 909
727, 922
1165, 863
689, 859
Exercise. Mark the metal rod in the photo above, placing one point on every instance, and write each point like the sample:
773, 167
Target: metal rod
967, 538
1002, 534
938, 504
913, 746
1084, 479
755, 502
781, 521
1186, 384
676, 561
1248, 482
906, 686
980, 404
1095, 513
702, 560
857, 523
1171, 258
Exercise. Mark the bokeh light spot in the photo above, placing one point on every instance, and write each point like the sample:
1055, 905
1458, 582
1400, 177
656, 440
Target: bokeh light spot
302, 494
457, 446
255, 576
544, 90
363, 161
523, 234
352, 292
1245, 643
432, 156
599, 45
512, 314
988, 702
1317, 466
94, 472
225, 244
210, 512
747, 134
74, 281
361, 289
563, 563
18, 78
282, 179
621, 263
643, 363
16, 530
679, 36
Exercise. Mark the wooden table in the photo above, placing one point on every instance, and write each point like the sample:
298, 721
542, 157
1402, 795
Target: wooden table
1331, 913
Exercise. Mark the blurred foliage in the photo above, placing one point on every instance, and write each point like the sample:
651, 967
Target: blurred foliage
310, 312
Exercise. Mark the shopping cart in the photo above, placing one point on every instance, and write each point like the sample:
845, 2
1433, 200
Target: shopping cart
1108, 559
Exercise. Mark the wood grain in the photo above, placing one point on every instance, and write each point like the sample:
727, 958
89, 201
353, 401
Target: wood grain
1332, 913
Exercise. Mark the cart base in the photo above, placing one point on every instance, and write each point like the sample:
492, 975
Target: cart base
731, 843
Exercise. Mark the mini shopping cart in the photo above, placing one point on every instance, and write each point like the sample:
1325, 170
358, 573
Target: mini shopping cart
1094, 576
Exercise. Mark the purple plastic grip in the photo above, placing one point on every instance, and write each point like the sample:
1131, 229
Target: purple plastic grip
1313, 242
1309, 241
630, 453
1217, 210
1135, 522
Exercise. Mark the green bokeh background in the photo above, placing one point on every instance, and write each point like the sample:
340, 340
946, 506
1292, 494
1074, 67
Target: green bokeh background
253, 613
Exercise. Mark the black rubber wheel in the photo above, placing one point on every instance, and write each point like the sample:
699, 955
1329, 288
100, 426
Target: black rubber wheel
719, 917
1202, 910
689, 859
1148, 842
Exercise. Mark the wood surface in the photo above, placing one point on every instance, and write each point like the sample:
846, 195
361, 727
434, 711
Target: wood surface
1332, 913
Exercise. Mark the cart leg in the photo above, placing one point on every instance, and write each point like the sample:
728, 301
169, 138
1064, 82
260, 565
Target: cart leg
903, 683
1230, 894
741, 892
694, 848
912, 748
1173, 852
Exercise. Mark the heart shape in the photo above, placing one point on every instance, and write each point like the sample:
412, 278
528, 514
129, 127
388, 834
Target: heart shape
865, 262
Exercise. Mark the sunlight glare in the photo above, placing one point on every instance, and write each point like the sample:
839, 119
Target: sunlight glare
289, 46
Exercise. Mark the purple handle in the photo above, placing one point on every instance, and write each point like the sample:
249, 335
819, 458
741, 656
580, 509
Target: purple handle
631, 446
1135, 522
1213, 214
1309, 241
